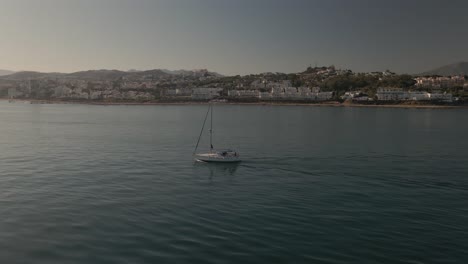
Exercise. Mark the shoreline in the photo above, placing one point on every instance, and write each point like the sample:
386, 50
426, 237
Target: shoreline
266, 103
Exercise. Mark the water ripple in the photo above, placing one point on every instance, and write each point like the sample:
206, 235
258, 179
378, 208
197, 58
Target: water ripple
117, 185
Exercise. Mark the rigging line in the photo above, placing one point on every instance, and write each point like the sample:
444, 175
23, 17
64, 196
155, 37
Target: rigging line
201, 132
211, 128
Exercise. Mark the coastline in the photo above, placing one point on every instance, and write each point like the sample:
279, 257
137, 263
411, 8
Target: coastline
266, 103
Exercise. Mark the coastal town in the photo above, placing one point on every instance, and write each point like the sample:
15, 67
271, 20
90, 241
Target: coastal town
315, 84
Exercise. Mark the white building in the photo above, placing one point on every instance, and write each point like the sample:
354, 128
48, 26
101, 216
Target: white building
355, 96
443, 97
397, 94
293, 93
304, 90
350, 95
13, 93
205, 93
178, 92
315, 89
290, 90
391, 94
418, 96
243, 93
440, 81
277, 89
183, 91
265, 95
170, 92
362, 98
323, 96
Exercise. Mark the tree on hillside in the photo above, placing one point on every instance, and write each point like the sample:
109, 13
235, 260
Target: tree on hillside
337, 83
342, 83
295, 80
403, 81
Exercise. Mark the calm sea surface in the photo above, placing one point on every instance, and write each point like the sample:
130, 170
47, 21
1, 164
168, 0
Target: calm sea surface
117, 184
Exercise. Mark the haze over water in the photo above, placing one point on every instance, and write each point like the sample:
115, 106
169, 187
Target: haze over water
116, 184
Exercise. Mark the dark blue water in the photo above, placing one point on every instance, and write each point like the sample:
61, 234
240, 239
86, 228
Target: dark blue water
116, 184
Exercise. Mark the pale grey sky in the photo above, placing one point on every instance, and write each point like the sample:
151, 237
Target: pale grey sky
232, 37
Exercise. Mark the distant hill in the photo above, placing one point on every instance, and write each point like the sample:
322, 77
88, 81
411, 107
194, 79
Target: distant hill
101, 75
192, 72
97, 75
107, 75
149, 74
116, 74
23, 75
6, 72
460, 68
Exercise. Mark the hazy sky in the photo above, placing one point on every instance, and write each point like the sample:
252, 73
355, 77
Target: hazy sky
232, 36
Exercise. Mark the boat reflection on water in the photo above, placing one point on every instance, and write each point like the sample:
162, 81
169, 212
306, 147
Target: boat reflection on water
217, 169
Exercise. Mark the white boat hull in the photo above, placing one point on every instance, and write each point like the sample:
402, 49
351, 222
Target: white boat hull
214, 157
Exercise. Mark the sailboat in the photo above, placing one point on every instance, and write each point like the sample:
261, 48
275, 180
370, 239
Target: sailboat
223, 155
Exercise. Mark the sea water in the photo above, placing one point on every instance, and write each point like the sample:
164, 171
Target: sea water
117, 184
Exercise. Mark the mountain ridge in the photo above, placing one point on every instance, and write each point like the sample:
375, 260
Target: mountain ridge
103, 74
5, 72
458, 68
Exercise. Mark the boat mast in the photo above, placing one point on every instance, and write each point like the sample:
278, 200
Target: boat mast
211, 128
201, 132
